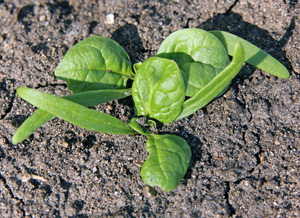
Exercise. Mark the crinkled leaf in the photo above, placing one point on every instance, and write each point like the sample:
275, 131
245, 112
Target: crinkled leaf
196, 75
216, 85
253, 55
158, 89
87, 99
75, 113
189, 45
199, 54
168, 161
95, 63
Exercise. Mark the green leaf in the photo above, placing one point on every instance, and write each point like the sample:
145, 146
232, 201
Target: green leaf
95, 63
87, 99
253, 55
168, 161
158, 89
136, 66
134, 124
196, 75
75, 113
215, 86
190, 45
199, 54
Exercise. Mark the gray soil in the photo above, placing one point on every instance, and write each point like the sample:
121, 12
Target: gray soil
245, 144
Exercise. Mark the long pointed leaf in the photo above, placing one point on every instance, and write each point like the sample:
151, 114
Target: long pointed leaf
215, 86
253, 55
87, 99
75, 113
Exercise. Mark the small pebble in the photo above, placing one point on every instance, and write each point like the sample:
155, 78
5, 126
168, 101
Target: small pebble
146, 192
26, 178
39, 178
109, 107
64, 144
2, 140
42, 18
149, 192
261, 158
109, 19
277, 142
139, 164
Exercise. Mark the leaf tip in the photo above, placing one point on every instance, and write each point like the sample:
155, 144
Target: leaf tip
21, 90
285, 74
14, 140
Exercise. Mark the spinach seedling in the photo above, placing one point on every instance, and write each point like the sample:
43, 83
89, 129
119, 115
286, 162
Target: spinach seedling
192, 67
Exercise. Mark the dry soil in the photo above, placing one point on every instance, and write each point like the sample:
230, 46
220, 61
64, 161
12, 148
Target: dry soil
245, 144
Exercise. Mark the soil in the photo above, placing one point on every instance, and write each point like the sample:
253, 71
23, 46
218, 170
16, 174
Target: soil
245, 144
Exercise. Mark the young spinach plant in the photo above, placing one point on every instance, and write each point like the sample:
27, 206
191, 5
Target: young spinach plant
192, 67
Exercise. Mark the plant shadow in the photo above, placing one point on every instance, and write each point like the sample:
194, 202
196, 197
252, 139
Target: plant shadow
233, 23
128, 37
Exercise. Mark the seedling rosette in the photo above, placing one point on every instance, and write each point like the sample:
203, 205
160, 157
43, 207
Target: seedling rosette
192, 67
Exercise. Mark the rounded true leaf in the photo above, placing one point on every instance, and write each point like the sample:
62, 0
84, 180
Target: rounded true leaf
199, 54
168, 161
158, 89
189, 45
216, 85
95, 63
196, 75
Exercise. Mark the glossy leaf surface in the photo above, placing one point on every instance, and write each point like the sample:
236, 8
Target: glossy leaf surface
215, 86
197, 45
75, 113
199, 54
196, 75
168, 161
87, 99
158, 89
253, 55
95, 63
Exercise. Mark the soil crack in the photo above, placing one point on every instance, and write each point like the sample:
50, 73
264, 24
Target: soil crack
9, 108
229, 208
21, 202
232, 6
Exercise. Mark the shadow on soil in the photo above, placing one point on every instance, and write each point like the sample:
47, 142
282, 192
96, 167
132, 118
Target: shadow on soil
233, 23
128, 37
